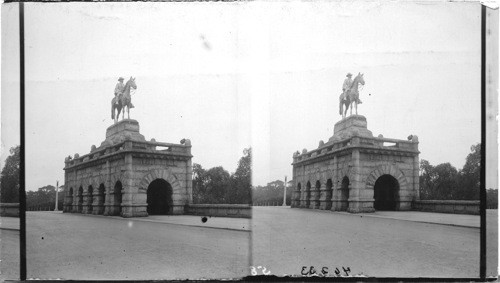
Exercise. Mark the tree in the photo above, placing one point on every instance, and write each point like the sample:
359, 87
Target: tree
199, 183
445, 182
44, 197
492, 199
241, 181
469, 176
217, 186
9, 179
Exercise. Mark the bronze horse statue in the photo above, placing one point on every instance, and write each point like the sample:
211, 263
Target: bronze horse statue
124, 100
352, 96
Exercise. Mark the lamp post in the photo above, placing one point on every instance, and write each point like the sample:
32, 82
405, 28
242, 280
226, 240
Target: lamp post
284, 194
57, 195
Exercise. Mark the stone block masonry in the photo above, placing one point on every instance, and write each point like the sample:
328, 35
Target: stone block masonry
129, 176
357, 172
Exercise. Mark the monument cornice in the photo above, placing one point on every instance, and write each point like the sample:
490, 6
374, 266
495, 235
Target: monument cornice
127, 147
351, 144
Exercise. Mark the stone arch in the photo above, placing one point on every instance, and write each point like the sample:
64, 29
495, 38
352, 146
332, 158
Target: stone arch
165, 174
80, 200
329, 191
307, 195
101, 198
117, 198
386, 169
391, 170
344, 191
113, 178
90, 198
386, 193
345, 172
159, 197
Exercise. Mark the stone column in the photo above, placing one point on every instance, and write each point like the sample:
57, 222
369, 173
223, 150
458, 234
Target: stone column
315, 195
189, 177
355, 185
416, 180
86, 201
127, 209
335, 184
325, 200
107, 191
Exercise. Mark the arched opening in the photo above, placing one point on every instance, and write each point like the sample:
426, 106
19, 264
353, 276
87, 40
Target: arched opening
80, 200
328, 196
344, 194
308, 193
101, 198
386, 193
159, 198
69, 201
117, 197
318, 185
90, 196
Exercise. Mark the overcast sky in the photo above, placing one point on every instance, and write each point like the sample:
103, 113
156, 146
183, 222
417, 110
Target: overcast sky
233, 75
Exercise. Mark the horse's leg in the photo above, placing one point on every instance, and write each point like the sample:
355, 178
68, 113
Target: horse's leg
356, 103
128, 112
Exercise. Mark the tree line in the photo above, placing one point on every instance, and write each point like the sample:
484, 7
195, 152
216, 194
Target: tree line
272, 193
217, 186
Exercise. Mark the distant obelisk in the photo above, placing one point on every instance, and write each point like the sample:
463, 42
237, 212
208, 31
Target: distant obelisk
284, 194
57, 195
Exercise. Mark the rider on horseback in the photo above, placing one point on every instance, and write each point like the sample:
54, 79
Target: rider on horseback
346, 86
119, 89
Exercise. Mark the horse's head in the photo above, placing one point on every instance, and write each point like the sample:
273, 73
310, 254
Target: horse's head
131, 83
359, 78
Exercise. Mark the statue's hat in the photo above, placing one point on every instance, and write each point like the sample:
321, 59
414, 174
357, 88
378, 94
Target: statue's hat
120, 79
349, 75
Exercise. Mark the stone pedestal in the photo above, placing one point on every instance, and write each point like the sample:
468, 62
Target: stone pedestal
119, 132
354, 125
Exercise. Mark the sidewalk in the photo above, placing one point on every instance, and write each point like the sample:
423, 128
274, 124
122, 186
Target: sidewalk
227, 223
9, 223
461, 220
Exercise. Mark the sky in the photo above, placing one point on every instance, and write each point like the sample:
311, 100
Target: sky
229, 76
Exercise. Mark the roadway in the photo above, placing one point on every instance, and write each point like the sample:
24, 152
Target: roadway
284, 240
73, 246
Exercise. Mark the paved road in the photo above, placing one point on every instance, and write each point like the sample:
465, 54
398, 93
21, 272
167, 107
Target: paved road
286, 239
72, 246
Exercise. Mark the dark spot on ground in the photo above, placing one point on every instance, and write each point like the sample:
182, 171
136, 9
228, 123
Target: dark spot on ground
204, 219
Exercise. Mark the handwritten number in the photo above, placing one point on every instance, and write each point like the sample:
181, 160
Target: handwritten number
254, 271
302, 271
337, 271
312, 270
346, 270
264, 271
324, 270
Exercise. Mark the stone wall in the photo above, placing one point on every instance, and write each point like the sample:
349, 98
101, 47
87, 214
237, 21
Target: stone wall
447, 206
220, 210
9, 209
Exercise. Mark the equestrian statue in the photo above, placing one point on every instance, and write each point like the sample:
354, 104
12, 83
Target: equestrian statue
122, 98
350, 94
